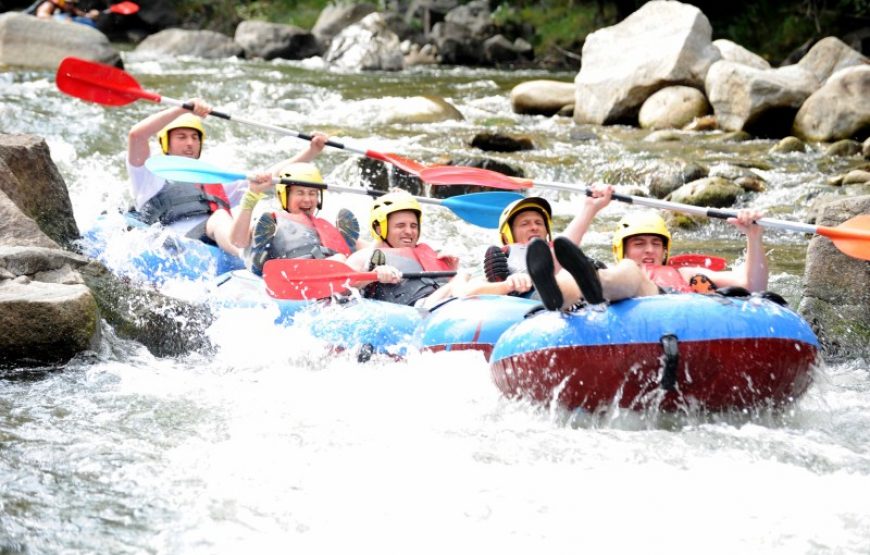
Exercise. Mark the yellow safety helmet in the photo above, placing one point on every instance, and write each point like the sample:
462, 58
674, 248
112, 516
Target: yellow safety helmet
187, 120
303, 174
537, 204
389, 204
641, 223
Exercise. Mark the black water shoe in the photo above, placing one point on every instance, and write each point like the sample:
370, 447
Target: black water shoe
495, 264
539, 263
581, 269
378, 259
348, 226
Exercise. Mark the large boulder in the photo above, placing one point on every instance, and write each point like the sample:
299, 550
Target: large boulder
660, 44
50, 298
716, 192
828, 56
336, 17
840, 109
541, 97
42, 43
733, 52
32, 183
836, 295
181, 42
456, 45
366, 45
265, 40
46, 312
763, 102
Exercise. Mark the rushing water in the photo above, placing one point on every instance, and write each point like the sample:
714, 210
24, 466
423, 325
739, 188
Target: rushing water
271, 446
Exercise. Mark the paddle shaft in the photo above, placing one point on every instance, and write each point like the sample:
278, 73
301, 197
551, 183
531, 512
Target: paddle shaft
335, 144
356, 190
686, 208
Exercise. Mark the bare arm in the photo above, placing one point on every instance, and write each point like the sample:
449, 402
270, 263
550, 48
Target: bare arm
753, 274
318, 141
592, 205
138, 150
240, 235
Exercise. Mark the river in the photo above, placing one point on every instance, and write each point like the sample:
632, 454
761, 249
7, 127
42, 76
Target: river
272, 446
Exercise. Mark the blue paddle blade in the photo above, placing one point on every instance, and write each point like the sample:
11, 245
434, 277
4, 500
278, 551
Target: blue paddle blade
189, 170
481, 209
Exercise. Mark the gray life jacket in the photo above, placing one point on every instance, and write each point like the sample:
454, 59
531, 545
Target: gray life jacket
178, 200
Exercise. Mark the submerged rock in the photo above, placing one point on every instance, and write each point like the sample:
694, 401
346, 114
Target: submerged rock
836, 298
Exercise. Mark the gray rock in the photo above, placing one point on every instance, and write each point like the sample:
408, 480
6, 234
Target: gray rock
336, 17
46, 323
840, 109
715, 192
660, 44
673, 108
31, 181
541, 97
845, 147
836, 296
366, 45
42, 43
828, 56
209, 45
265, 40
787, 145
733, 52
761, 101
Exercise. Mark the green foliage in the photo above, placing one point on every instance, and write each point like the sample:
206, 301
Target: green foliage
301, 13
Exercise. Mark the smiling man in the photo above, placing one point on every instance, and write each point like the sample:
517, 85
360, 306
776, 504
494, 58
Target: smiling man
395, 223
196, 210
641, 247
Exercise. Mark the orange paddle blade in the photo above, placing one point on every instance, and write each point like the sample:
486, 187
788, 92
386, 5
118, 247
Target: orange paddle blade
852, 237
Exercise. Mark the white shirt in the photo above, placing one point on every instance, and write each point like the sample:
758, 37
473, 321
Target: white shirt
145, 185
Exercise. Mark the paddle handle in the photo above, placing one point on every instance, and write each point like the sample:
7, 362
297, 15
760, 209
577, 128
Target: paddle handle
797, 227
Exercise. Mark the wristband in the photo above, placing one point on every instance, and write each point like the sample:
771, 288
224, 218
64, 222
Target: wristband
250, 199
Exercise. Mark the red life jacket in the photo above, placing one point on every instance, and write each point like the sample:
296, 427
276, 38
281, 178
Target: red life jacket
667, 277
177, 200
330, 238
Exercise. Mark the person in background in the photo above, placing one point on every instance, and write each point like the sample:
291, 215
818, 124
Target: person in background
67, 10
641, 247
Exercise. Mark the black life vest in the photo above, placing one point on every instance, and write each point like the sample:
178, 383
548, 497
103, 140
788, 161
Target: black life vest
178, 200
409, 291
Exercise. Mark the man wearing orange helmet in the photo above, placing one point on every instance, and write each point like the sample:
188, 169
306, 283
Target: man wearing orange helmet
196, 210
641, 246
395, 223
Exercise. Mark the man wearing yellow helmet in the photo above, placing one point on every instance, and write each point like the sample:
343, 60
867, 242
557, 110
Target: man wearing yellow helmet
395, 223
641, 246
293, 232
505, 266
196, 210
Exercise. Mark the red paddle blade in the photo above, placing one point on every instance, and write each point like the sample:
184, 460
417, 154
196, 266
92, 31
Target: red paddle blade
298, 280
124, 8
400, 162
713, 263
852, 237
462, 175
99, 83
